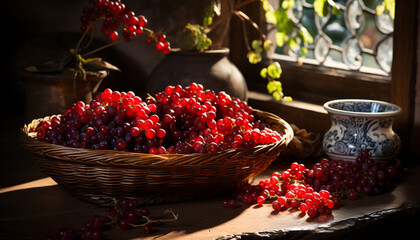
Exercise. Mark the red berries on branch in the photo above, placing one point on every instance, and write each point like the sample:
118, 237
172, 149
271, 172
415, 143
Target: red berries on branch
115, 15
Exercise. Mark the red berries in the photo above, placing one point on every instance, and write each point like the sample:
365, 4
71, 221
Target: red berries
318, 190
113, 35
178, 120
349, 179
116, 15
162, 44
159, 46
126, 214
289, 190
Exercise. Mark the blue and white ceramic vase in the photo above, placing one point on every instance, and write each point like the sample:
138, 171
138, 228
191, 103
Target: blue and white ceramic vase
358, 124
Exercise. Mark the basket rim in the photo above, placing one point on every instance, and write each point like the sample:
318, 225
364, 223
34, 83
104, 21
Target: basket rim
132, 159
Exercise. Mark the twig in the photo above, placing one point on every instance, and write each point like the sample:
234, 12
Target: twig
102, 47
242, 15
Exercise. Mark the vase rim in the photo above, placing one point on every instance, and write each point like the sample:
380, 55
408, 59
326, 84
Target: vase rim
375, 108
219, 51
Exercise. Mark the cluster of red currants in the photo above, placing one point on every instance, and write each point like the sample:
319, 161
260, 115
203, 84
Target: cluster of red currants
352, 178
287, 190
202, 121
319, 189
126, 213
116, 14
290, 190
178, 120
161, 43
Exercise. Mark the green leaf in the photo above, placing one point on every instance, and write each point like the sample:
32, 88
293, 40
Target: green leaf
307, 37
386, 6
207, 21
303, 51
263, 73
390, 7
321, 7
392, 12
278, 95
287, 4
254, 57
213, 9
256, 44
336, 11
271, 87
267, 45
281, 37
293, 44
274, 70
281, 18
270, 17
267, 6
380, 9
287, 99
195, 38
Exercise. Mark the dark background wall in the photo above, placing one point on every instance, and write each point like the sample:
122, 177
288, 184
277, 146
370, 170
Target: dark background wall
25, 20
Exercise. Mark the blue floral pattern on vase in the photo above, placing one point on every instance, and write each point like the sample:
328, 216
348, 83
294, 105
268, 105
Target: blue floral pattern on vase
363, 107
352, 132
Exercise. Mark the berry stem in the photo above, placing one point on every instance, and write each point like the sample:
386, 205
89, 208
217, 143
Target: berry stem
102, 47
109, 44
77, 48
148, 220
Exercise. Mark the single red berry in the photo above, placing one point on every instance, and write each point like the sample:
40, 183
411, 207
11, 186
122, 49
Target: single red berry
120, 145
151, 133
149, 40
330, 204
161, 150
166, 50
147, 229
159, 46
311, 212
232, 204
124, 224
276, 205
225, 203
133, 20
303, 207
113, 35
135, 131
260, 200
142, 21
324, 194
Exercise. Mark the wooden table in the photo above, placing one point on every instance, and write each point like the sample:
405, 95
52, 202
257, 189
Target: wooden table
33, 206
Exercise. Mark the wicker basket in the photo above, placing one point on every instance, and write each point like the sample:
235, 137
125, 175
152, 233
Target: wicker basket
99, 176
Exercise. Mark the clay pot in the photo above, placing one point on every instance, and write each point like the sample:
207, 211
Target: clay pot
47, 93
210, 68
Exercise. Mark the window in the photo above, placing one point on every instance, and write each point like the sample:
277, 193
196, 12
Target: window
350, 57
355, 39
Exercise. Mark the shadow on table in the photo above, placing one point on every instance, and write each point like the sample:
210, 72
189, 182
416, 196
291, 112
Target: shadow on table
38, 212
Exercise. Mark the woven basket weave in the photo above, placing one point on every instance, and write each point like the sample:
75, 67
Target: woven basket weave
99, 176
